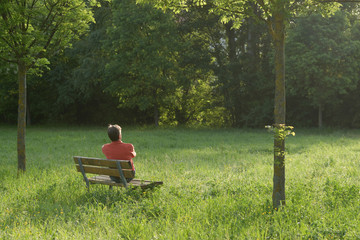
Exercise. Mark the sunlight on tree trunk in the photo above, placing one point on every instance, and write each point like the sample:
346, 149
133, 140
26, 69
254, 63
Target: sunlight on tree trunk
279, 170
279, 109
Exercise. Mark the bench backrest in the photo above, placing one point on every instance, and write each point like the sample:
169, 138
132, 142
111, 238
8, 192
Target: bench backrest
104, 166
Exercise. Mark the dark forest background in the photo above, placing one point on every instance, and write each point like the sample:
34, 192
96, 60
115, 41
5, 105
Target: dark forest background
139, 65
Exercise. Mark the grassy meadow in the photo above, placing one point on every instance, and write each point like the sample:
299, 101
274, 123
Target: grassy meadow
217, 185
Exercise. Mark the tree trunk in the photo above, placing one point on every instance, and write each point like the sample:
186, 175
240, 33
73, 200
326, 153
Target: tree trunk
21, 117
156, 115
279, 108
320, 116
232, 80
230, 33
250, 40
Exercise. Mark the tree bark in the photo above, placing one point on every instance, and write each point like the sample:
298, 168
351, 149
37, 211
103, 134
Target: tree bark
320, 118
21, 128
231, 77
279, 108
156, 115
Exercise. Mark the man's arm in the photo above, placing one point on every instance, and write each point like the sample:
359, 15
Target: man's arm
133, 151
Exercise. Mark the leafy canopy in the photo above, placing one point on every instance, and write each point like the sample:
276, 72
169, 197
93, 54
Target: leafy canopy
235, 10
323, 56
143, 47
31, 30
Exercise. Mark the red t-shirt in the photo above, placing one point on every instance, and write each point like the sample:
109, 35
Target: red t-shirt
119, 151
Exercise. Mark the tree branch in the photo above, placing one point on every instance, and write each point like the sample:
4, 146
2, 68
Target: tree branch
266, 11
10, 32
49, 14
231, 11
264, 7
28, 18
5, 16
8, 60
46, 28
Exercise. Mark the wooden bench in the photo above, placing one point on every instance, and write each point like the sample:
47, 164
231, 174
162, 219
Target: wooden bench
104, 168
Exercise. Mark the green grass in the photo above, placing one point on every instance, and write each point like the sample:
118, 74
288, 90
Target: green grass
217, 185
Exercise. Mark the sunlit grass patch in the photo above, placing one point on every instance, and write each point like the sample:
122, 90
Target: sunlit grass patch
217, 185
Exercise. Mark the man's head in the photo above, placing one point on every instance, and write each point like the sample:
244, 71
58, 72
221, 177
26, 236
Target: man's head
114, 132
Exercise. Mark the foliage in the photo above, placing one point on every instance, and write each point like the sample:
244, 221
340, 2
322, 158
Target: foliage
8, 92
76, 81
280, 133
33, 30
236, 11
217, 75
143, 47
322, 58
196, 100
243, 70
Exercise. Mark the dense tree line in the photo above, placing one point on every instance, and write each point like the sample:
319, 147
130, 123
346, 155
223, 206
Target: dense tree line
140, 65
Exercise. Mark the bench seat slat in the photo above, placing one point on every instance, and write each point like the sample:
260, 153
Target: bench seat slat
105, 171
103, 179
111, 163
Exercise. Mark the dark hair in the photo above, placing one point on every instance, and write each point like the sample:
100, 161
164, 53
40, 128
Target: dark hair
114, 132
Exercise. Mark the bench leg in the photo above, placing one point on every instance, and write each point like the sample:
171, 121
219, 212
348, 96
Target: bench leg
110, 187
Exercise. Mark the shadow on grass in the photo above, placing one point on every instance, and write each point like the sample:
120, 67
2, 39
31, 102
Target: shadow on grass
102, 195
68, 200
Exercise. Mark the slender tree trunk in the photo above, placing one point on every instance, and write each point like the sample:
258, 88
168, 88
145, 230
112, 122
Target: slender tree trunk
250, 40
320, 116
156, 115
230, 33
279, 109
21, 117
232, 77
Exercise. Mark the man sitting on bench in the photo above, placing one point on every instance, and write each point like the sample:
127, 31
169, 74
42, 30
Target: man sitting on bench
117, 150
